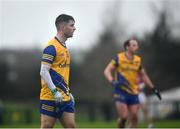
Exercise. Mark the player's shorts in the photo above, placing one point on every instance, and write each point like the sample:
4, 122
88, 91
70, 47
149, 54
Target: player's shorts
54, 109
142, 98
124, 97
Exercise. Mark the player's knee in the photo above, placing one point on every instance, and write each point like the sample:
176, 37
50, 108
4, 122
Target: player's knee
71, 125
133, 119
46, 124
134, 116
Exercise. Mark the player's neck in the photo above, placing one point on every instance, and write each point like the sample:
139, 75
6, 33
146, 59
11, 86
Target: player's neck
61, 38
129, 55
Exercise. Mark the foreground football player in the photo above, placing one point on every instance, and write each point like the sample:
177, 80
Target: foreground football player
56, 100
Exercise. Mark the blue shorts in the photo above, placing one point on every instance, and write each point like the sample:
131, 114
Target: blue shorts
124, 97
54, 109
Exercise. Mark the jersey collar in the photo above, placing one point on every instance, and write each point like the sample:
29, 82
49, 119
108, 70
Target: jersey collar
127, 57
63, 44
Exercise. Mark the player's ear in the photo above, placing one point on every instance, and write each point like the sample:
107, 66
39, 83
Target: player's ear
61, 26
127, 47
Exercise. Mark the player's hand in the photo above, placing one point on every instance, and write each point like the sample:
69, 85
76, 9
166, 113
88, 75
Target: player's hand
115, 83
72, 98
157, 93
57, 95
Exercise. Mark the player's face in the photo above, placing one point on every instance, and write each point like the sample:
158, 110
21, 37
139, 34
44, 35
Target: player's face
69, 29
133, 46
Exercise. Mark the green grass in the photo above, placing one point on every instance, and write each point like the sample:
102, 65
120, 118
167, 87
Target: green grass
168, 124
16, 116
101, 124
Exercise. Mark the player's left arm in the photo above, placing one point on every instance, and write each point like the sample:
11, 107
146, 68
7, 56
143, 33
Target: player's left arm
149, 83
146, 79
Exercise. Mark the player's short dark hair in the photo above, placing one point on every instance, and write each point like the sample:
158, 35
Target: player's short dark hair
127, 43
63, 18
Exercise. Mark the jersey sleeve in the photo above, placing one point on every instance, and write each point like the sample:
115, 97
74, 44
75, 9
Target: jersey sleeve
114, 61
49, 55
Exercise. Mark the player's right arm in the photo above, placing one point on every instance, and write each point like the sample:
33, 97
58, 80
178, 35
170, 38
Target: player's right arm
49, 54
108, 72
110, 68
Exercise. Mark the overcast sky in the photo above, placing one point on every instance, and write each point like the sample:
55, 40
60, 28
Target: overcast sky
30, 23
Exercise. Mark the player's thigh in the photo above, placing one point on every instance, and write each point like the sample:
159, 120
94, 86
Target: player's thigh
47, 121
133, 109
122, 109
68, 120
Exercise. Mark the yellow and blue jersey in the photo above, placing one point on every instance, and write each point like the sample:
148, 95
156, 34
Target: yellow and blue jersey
127, 72
57, 57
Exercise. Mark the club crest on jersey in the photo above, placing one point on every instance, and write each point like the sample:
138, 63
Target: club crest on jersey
64, 65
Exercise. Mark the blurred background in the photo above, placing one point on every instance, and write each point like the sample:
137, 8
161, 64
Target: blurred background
101, 28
